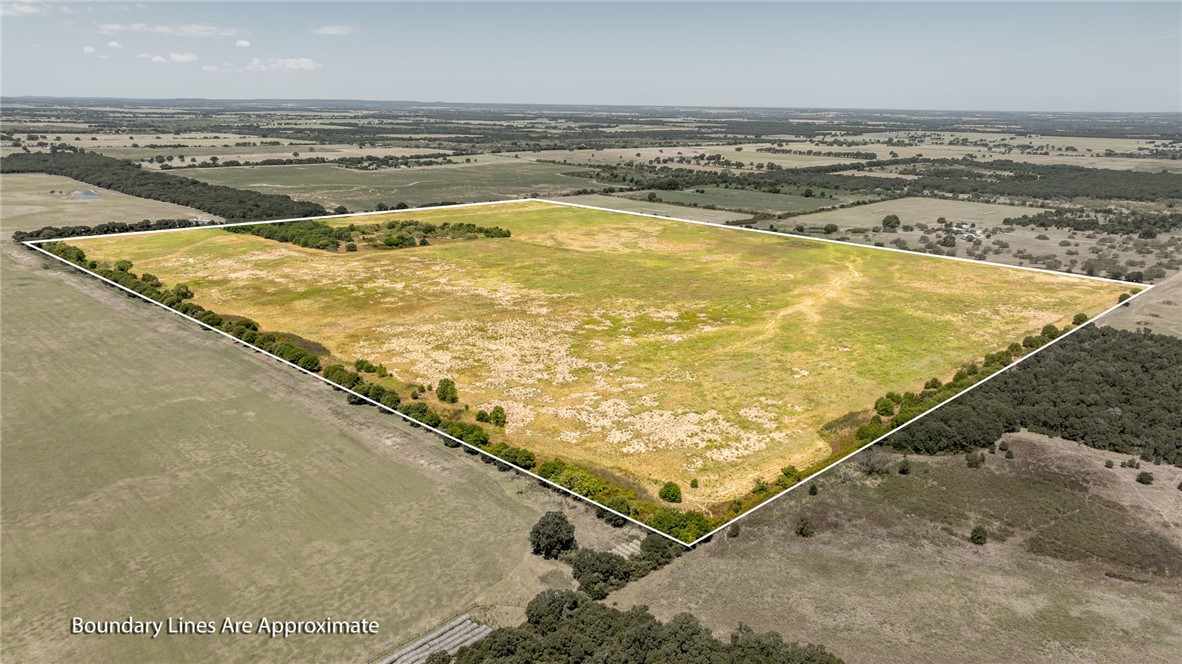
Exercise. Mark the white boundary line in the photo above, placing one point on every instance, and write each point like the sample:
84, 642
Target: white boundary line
32, 244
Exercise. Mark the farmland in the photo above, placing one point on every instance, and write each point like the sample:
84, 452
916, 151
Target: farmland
181, 476
913, 211
490, 178
652, 350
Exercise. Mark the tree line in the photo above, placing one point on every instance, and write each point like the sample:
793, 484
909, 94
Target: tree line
566, 626
396, 234
1105, 388
129, 178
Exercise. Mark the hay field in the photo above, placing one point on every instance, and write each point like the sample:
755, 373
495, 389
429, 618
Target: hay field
655, 350
490, 178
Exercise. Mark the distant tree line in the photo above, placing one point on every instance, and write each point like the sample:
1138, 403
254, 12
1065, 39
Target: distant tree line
129, 178
396, 234
1126, 222
1105, 388
566, 626
56, 232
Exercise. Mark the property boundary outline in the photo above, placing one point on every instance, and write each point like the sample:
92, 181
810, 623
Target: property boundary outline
32, 244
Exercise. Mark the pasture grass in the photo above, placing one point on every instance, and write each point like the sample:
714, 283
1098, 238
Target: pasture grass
655, 350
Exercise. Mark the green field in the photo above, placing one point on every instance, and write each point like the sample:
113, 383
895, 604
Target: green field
653, 350
490, 178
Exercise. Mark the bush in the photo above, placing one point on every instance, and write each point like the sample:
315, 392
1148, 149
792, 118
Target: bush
804, 527
905, 467
552, 536
446, 391
979, 535
670, 492
1145, 477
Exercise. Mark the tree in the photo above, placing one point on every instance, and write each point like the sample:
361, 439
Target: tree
1145, 477
1079, 319
979, 535
670, 492
905, 467
813, 489
891, 223
497, 416
446, 391
830, 229
1050, 331
552, 536
804, 527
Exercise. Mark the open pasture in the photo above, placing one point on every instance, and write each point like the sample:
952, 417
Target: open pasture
653, 350
755, 200
737, 153
29, 203
913, 211
488, 178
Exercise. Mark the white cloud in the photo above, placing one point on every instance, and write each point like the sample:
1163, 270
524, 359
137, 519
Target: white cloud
282, 64
114, 44
334, 30
209, 67
23, 9
88, 49
177, 30
242, 43
170, 58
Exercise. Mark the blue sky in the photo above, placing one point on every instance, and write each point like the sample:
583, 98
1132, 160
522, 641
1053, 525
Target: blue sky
1090, 56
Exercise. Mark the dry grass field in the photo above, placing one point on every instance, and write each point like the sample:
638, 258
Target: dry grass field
890, 576
743, 153
28, 204
655, 350
913, 211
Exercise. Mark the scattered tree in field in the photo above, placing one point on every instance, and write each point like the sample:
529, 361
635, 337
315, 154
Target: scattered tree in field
497, 416
1009, 454
890, 223
905, 467
830, 229
813, 489
974, 459
1079, 319
1109, 464
979, 535
1145, 477
670, 492
805, 528
552, 535
446, 391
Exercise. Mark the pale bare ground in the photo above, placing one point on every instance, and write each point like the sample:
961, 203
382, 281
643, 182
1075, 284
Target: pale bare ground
1159, 310
890, 587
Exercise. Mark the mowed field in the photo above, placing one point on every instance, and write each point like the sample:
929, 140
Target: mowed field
489, 178
28, 204
656, 350
180, 476
913, 211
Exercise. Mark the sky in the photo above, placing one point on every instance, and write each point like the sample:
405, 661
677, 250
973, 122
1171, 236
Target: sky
1024, 56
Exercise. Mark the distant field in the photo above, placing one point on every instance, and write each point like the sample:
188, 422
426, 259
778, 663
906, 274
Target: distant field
491, 178
759, 201
664, 209
656, 350
913, 211
743, 153
27, 202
